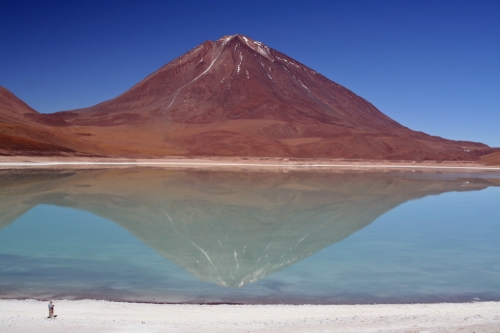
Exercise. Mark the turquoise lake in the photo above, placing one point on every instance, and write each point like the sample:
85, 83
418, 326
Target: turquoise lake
177, 236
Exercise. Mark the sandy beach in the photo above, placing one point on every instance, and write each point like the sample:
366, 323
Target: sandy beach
103, 316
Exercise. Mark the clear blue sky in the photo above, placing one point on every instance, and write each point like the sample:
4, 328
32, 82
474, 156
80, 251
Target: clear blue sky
433, 66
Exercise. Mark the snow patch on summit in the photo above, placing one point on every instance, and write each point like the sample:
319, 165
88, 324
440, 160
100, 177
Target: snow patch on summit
226, 39
264, 50
259, 47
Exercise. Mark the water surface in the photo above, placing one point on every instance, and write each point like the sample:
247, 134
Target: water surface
160, 235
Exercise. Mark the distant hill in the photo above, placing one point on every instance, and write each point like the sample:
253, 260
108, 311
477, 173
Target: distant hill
235, 97
24, 131
491, 159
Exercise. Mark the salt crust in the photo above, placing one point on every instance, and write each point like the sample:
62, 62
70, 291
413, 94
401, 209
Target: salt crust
103, 316
239, 163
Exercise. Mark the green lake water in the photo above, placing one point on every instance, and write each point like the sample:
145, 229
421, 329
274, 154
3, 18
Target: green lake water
160, 235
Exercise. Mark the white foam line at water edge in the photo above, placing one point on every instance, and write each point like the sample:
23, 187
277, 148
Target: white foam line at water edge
371, 166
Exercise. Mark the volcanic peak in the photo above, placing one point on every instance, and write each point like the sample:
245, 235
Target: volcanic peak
237, 97
11, 102
254, 45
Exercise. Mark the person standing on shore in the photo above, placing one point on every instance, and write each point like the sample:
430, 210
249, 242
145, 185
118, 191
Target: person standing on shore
51, 309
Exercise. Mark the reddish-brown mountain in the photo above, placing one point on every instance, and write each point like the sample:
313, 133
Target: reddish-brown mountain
24, 131
238, 97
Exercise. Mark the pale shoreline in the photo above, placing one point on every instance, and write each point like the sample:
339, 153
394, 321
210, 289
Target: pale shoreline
237, 163
104, 316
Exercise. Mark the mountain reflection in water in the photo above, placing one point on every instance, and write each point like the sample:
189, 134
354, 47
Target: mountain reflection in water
229, 228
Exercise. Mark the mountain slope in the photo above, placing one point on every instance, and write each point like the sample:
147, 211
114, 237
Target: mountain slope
491, 159
12, 109
24, 131
237, 78
238, 97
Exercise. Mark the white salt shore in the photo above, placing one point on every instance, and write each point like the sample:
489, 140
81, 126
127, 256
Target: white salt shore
239, 163
103, 316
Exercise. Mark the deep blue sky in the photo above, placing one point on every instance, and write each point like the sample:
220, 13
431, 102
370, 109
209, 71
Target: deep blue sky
433, 66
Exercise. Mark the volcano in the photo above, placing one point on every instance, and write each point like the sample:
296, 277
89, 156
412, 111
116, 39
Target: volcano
233, 97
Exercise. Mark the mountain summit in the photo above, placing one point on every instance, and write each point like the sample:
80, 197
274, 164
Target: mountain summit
238, 97
233, 78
